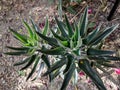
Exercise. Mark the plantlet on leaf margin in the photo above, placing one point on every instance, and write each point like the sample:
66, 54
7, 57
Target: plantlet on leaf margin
73, 49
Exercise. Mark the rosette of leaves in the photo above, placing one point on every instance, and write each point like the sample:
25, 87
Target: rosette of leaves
29, 45
74, 49
77, 50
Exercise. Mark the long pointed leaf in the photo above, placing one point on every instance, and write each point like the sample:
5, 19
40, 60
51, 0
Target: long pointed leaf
55, 66
92, 51
103, 35
70, 31
22, 62
104, 58
79, 22
34, 68
18, 48
50, 40
31, 33
76, 32
45, 30
84, 22
57, 36
86, 67
69, 63
54, 51
20, 37
63, 32
35, 28
79, 42
68, 77
55, 74
41, 67
46, 60
91, 35
76, 36
30, 62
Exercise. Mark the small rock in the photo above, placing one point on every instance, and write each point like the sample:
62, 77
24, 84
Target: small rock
118, 10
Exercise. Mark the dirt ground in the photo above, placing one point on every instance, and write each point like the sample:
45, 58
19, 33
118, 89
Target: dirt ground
11, 14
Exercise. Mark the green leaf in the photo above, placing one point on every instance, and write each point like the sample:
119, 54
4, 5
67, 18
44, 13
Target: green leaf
62, 29
41, 67
75, 77
55, 74
91, 35
70, 31
76, 37
31, 33
32, 42
20, 37
16, 53
92, 51
76, 33
103, 35
22, 62
79, 22
70, 60
68, 77
84, 23
46, 60
30, 62
54, 51
55, 66
50, 40
65, 43
104, 58
31, 51
35, 28
86, 67
57, 36
79, 42
99, 46
45, 30
34, 68
18, 48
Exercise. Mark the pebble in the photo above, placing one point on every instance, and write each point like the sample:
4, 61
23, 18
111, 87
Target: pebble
118, 10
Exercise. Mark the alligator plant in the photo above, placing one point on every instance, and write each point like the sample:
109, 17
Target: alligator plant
65, 50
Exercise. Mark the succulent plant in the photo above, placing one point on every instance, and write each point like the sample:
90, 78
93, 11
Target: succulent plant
73, 48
